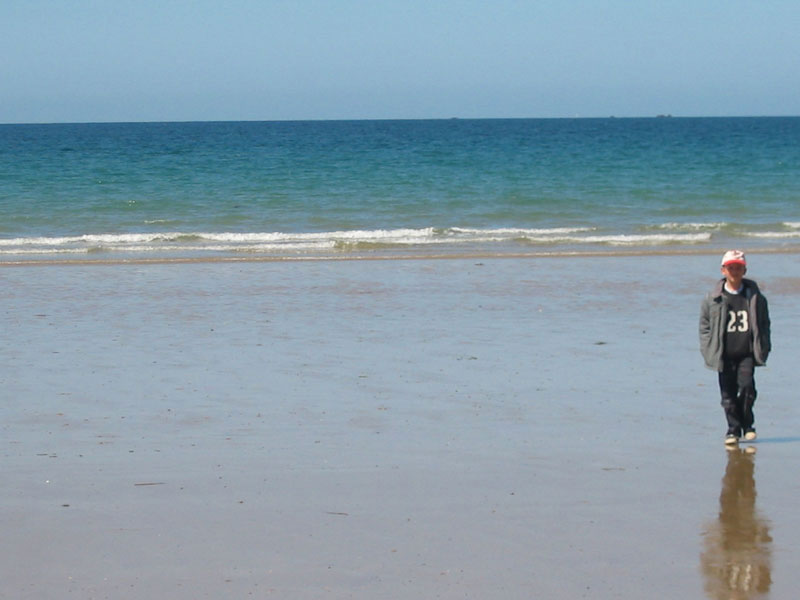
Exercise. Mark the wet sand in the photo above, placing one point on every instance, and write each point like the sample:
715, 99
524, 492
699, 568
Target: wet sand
459, 428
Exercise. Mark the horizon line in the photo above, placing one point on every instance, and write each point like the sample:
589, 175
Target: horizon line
378, 119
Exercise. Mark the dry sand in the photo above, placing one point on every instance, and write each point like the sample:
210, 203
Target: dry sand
498, 428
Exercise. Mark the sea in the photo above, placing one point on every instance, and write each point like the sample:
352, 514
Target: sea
297, 190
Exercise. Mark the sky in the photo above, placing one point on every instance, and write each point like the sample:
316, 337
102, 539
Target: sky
204, 60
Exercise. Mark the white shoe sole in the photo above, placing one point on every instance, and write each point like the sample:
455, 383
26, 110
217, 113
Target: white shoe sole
750, 436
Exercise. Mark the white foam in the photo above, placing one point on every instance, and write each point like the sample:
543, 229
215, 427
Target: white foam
773, 234
190, 242
633, 239
520, 231
647, 240
692, 226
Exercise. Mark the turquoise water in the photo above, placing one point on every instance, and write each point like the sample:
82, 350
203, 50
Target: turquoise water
361, 188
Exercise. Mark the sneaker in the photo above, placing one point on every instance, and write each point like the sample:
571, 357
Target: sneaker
750, 435
731, 439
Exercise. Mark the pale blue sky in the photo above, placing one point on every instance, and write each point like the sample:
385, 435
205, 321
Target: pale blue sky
165, 60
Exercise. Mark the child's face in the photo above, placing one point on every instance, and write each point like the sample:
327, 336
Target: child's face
734, 273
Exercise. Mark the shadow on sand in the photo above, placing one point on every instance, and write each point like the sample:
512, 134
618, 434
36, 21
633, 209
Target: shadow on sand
776, 440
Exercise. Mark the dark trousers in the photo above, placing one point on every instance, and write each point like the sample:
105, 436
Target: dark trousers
738, 390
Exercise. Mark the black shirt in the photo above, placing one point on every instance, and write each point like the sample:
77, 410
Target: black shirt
738, 332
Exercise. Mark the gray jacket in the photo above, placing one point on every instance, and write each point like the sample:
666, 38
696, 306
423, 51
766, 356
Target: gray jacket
713, 318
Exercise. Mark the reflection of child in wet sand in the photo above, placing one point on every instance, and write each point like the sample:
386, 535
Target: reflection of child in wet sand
735, 338
736, 560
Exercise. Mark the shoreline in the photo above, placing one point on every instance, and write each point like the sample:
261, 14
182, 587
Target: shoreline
166, 260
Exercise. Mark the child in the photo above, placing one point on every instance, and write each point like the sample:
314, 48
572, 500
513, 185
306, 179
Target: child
735, 338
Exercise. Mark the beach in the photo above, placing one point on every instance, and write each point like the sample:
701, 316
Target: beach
440, 428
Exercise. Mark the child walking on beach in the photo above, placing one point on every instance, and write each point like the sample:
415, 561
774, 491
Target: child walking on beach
734, 339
